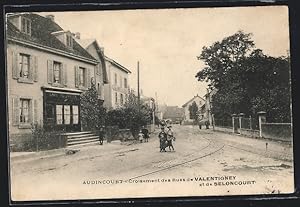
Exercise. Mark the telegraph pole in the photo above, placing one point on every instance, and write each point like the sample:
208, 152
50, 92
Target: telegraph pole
138, 84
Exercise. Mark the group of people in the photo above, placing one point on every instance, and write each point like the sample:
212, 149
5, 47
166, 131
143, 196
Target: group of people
166, 138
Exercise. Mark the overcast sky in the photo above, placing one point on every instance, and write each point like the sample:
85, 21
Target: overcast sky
168, 41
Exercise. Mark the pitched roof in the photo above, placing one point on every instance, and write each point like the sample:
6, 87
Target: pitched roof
41, 29
184, 105
117, 64
85, 43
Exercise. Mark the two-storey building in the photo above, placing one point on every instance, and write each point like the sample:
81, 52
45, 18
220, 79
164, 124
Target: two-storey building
93, 47
117, 90
47, 70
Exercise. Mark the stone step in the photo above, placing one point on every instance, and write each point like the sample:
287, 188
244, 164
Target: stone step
94, 137
77, 133
82, 145
80, 135
82, 141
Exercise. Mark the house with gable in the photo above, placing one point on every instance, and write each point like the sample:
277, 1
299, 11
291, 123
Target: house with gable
93, 47
47, 70
199, 102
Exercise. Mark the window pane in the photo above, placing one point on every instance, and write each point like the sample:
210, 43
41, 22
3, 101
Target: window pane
67, 114
75, 114
56, 72
24, 111
59, 114
24, 65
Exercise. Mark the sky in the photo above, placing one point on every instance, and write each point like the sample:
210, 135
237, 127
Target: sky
167, 42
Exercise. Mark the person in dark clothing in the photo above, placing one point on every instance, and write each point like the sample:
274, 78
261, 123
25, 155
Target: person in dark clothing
101, 135
145, 131
162, 139
170, 138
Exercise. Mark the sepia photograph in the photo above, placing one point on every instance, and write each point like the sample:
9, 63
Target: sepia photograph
149, 103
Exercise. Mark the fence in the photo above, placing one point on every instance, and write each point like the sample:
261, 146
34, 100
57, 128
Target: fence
223, 122
255, 127
278, 131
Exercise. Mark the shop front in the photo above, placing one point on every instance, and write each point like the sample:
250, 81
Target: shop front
61, 109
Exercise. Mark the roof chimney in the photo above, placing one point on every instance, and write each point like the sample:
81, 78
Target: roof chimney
50, 16
102, 49
77, 35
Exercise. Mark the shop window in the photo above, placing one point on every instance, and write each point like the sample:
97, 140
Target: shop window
67, 114
59, 114
75, 114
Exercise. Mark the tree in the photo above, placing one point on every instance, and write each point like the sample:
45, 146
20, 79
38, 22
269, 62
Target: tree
92, 113
246, 80
193, 111
130, 116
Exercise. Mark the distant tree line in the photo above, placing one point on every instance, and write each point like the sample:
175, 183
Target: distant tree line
245, 79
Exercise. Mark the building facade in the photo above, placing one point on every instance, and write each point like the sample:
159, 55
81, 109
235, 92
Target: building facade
117, 90
100, 74
47, 70
198, 100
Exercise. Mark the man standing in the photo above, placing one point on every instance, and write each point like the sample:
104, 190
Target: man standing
162, 139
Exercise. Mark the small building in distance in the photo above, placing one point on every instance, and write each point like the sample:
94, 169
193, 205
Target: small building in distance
174, 113
199, 102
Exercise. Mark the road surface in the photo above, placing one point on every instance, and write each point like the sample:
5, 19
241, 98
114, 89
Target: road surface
205, 162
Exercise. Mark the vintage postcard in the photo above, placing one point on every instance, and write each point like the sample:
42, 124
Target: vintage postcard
149, 103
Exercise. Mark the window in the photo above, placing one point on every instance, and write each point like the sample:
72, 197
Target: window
69, 40
99, 89
59, 114
116, 98
67, 114
125, 82
75, 114
24, 111
122, 99
24, 66
25, 25
116, 79
81, 76
121, 80
56, 72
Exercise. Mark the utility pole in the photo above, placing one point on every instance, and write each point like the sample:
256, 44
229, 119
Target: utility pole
138, 85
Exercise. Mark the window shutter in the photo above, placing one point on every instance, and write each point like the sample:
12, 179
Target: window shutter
50, 71
62, 75
35, 75
65, 74
88, 75
31, 68
35, 111
16, 111
30, 112
76, 76
15, 65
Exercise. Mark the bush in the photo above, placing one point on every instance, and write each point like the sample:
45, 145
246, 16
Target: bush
45, 139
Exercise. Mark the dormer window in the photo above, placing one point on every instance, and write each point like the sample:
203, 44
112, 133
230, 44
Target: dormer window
25, 25
69, 41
